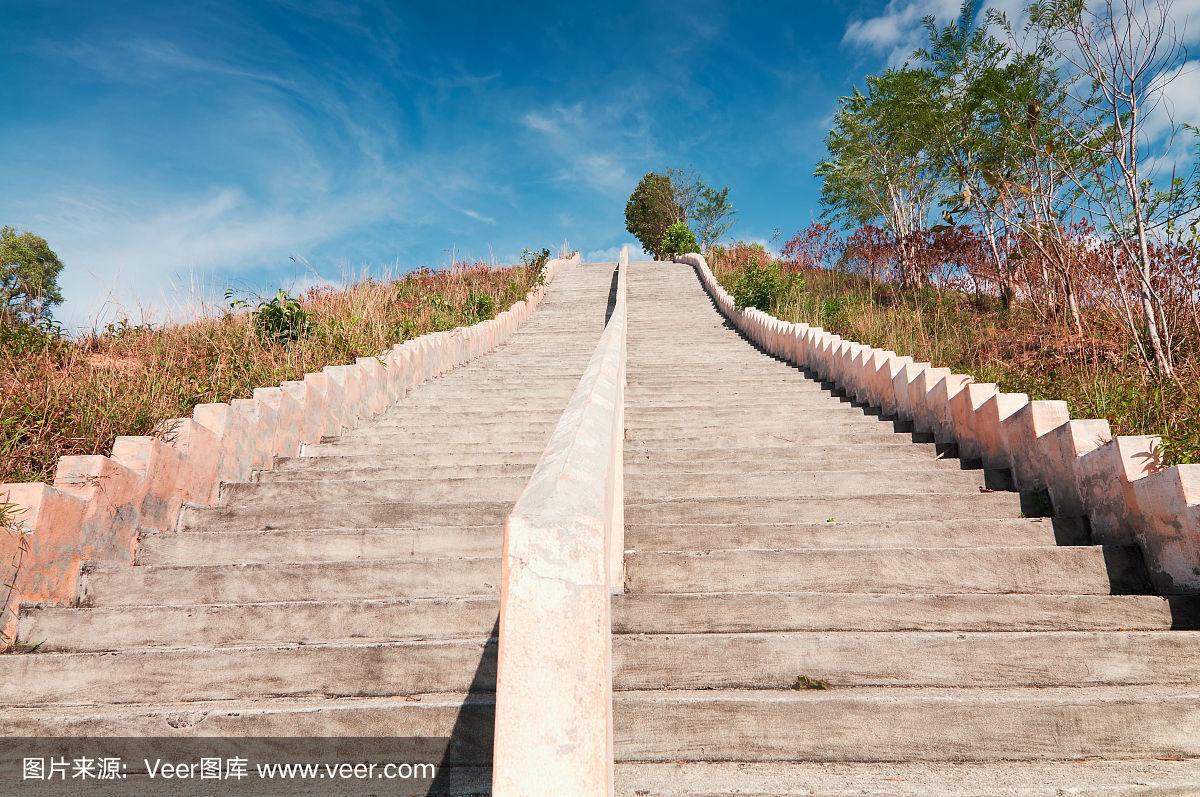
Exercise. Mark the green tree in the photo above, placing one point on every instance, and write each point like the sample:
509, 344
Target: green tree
982, 140
880, 168
29, 271
678, 240
713, 216
651, 209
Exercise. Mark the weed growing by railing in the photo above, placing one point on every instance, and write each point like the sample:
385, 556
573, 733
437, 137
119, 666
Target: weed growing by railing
282, 319
536, 260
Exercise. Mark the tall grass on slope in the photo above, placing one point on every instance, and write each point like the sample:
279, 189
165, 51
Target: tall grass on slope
60, 397
1098, 374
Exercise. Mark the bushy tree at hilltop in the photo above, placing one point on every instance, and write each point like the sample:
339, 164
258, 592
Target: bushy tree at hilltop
651, 209
677, 197
29, 271
678, 240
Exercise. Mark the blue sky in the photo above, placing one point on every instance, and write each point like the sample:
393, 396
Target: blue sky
168, 150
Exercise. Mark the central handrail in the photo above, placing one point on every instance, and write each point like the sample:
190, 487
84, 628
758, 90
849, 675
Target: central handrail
564, 548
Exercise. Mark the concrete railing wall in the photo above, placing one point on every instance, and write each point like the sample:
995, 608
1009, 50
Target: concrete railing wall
98, 505
1117, 483
563, 556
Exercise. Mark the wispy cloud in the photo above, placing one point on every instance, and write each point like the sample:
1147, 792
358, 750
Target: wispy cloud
598, 146
286, 157
474, 214
897, 31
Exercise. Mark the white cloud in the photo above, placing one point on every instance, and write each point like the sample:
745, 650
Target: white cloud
1187, 12
1180, 102
612, 253
598, 146
897, 31
475, 214
131, 260
307, 155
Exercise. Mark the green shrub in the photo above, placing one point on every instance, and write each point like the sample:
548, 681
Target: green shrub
833, 312
480, 306
19, 338
759, 285
536, 261
678, 240
280, 320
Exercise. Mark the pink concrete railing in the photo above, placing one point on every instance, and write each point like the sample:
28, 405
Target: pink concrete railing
98, 505
1117, 483
564, 548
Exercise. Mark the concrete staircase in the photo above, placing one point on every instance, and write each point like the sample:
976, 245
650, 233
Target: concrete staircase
818, 604
350, 591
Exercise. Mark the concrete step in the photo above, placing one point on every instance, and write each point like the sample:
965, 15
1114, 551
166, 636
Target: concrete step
774, 660
481, 423
846, 482
744, 461
256, 583
469, 719
357, 471
783, 438
469, 394
345, 459
1093, 570
1012, 532
789, 456
449, 435
419, 451
770, 373
1125, 778
317, 545
325, 515
297, 622
306, 622
497, 412
817, 508
722, 368
538, 371
793, 430
668, 412
706, 613
468, 400
483, 488
692, 360
252, 672
885, 725
719, 391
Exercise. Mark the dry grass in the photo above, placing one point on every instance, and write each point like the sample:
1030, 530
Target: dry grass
60, 397
1099, 375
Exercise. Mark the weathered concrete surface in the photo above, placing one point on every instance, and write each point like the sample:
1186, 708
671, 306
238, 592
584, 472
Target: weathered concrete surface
353, 593
811, 539
104, 628
1030, 779
704, 613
